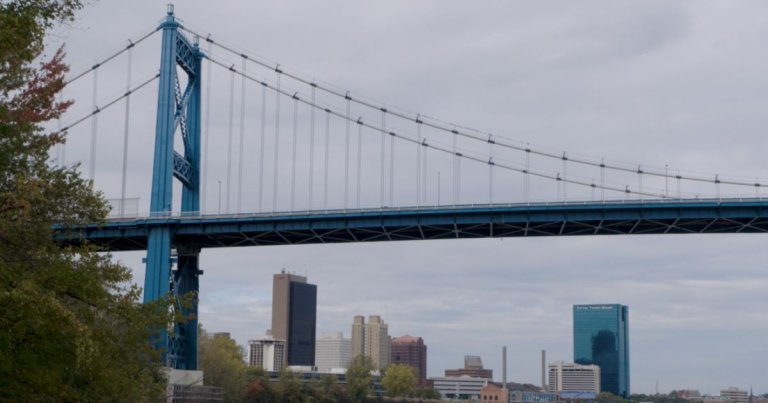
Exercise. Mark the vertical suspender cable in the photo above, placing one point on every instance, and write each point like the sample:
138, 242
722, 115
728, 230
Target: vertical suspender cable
418, 162
262, 136
527, 178
60, 146
63, 147
311, 145
293, 154
383, 152
327, 155
717, 185
565, 177
277, 139
229, 137
490, 169
679, 186
640, 181
424, 171
346, 154
458, 180
359, 158
207, 126
125, 133
455, 166
242, 140
94, 125
602, 179
391, 170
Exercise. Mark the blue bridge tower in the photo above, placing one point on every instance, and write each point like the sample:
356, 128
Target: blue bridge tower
177, 110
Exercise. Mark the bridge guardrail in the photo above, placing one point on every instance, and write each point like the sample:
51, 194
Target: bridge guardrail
196, 214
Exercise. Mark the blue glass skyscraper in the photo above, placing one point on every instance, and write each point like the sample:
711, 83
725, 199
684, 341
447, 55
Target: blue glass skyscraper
601, 337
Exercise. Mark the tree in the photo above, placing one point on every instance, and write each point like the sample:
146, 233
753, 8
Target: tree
608, 397
426, 392
359, 378
258, 389
399, 380
71, 324
327, 390
289, 388
221, 361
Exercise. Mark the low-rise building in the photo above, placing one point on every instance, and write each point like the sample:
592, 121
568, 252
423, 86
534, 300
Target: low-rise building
494, 392
267, 353
715, 399
515, 393
519, 396
463, 387
568, 377
735, 395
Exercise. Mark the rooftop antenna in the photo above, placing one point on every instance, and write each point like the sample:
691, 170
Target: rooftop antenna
170, 8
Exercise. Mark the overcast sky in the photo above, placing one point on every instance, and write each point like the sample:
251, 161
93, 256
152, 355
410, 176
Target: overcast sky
656, 83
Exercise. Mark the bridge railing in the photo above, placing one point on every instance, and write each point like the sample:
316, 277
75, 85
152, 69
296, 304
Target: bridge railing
114, 216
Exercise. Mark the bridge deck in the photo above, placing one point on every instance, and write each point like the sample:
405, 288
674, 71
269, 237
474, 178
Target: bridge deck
445, 222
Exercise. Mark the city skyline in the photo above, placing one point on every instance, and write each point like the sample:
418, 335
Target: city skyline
678, 84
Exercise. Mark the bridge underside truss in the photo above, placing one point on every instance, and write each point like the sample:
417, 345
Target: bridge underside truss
441, 223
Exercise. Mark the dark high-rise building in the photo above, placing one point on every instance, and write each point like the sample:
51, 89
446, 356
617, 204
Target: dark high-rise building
601, 337
294, 313
411, 351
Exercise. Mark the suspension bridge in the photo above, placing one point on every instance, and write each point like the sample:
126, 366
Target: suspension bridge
323, 165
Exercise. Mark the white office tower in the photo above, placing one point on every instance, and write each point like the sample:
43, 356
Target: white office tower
267, 353
566, 377
332, 351
735, 395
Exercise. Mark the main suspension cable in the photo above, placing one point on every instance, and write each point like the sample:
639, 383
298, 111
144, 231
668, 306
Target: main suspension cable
131, 44
106, 106
382, 129
451, 128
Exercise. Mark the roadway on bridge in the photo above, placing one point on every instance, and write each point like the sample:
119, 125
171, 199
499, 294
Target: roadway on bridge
444, 222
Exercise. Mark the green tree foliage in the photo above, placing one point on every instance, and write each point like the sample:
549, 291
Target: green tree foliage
426, 393
71, 325
258, 388
399, 380
221, 361
359, 378
608, 397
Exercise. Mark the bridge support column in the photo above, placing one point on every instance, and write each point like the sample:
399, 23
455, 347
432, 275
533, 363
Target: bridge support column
157, 275
178, 109
186, 285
